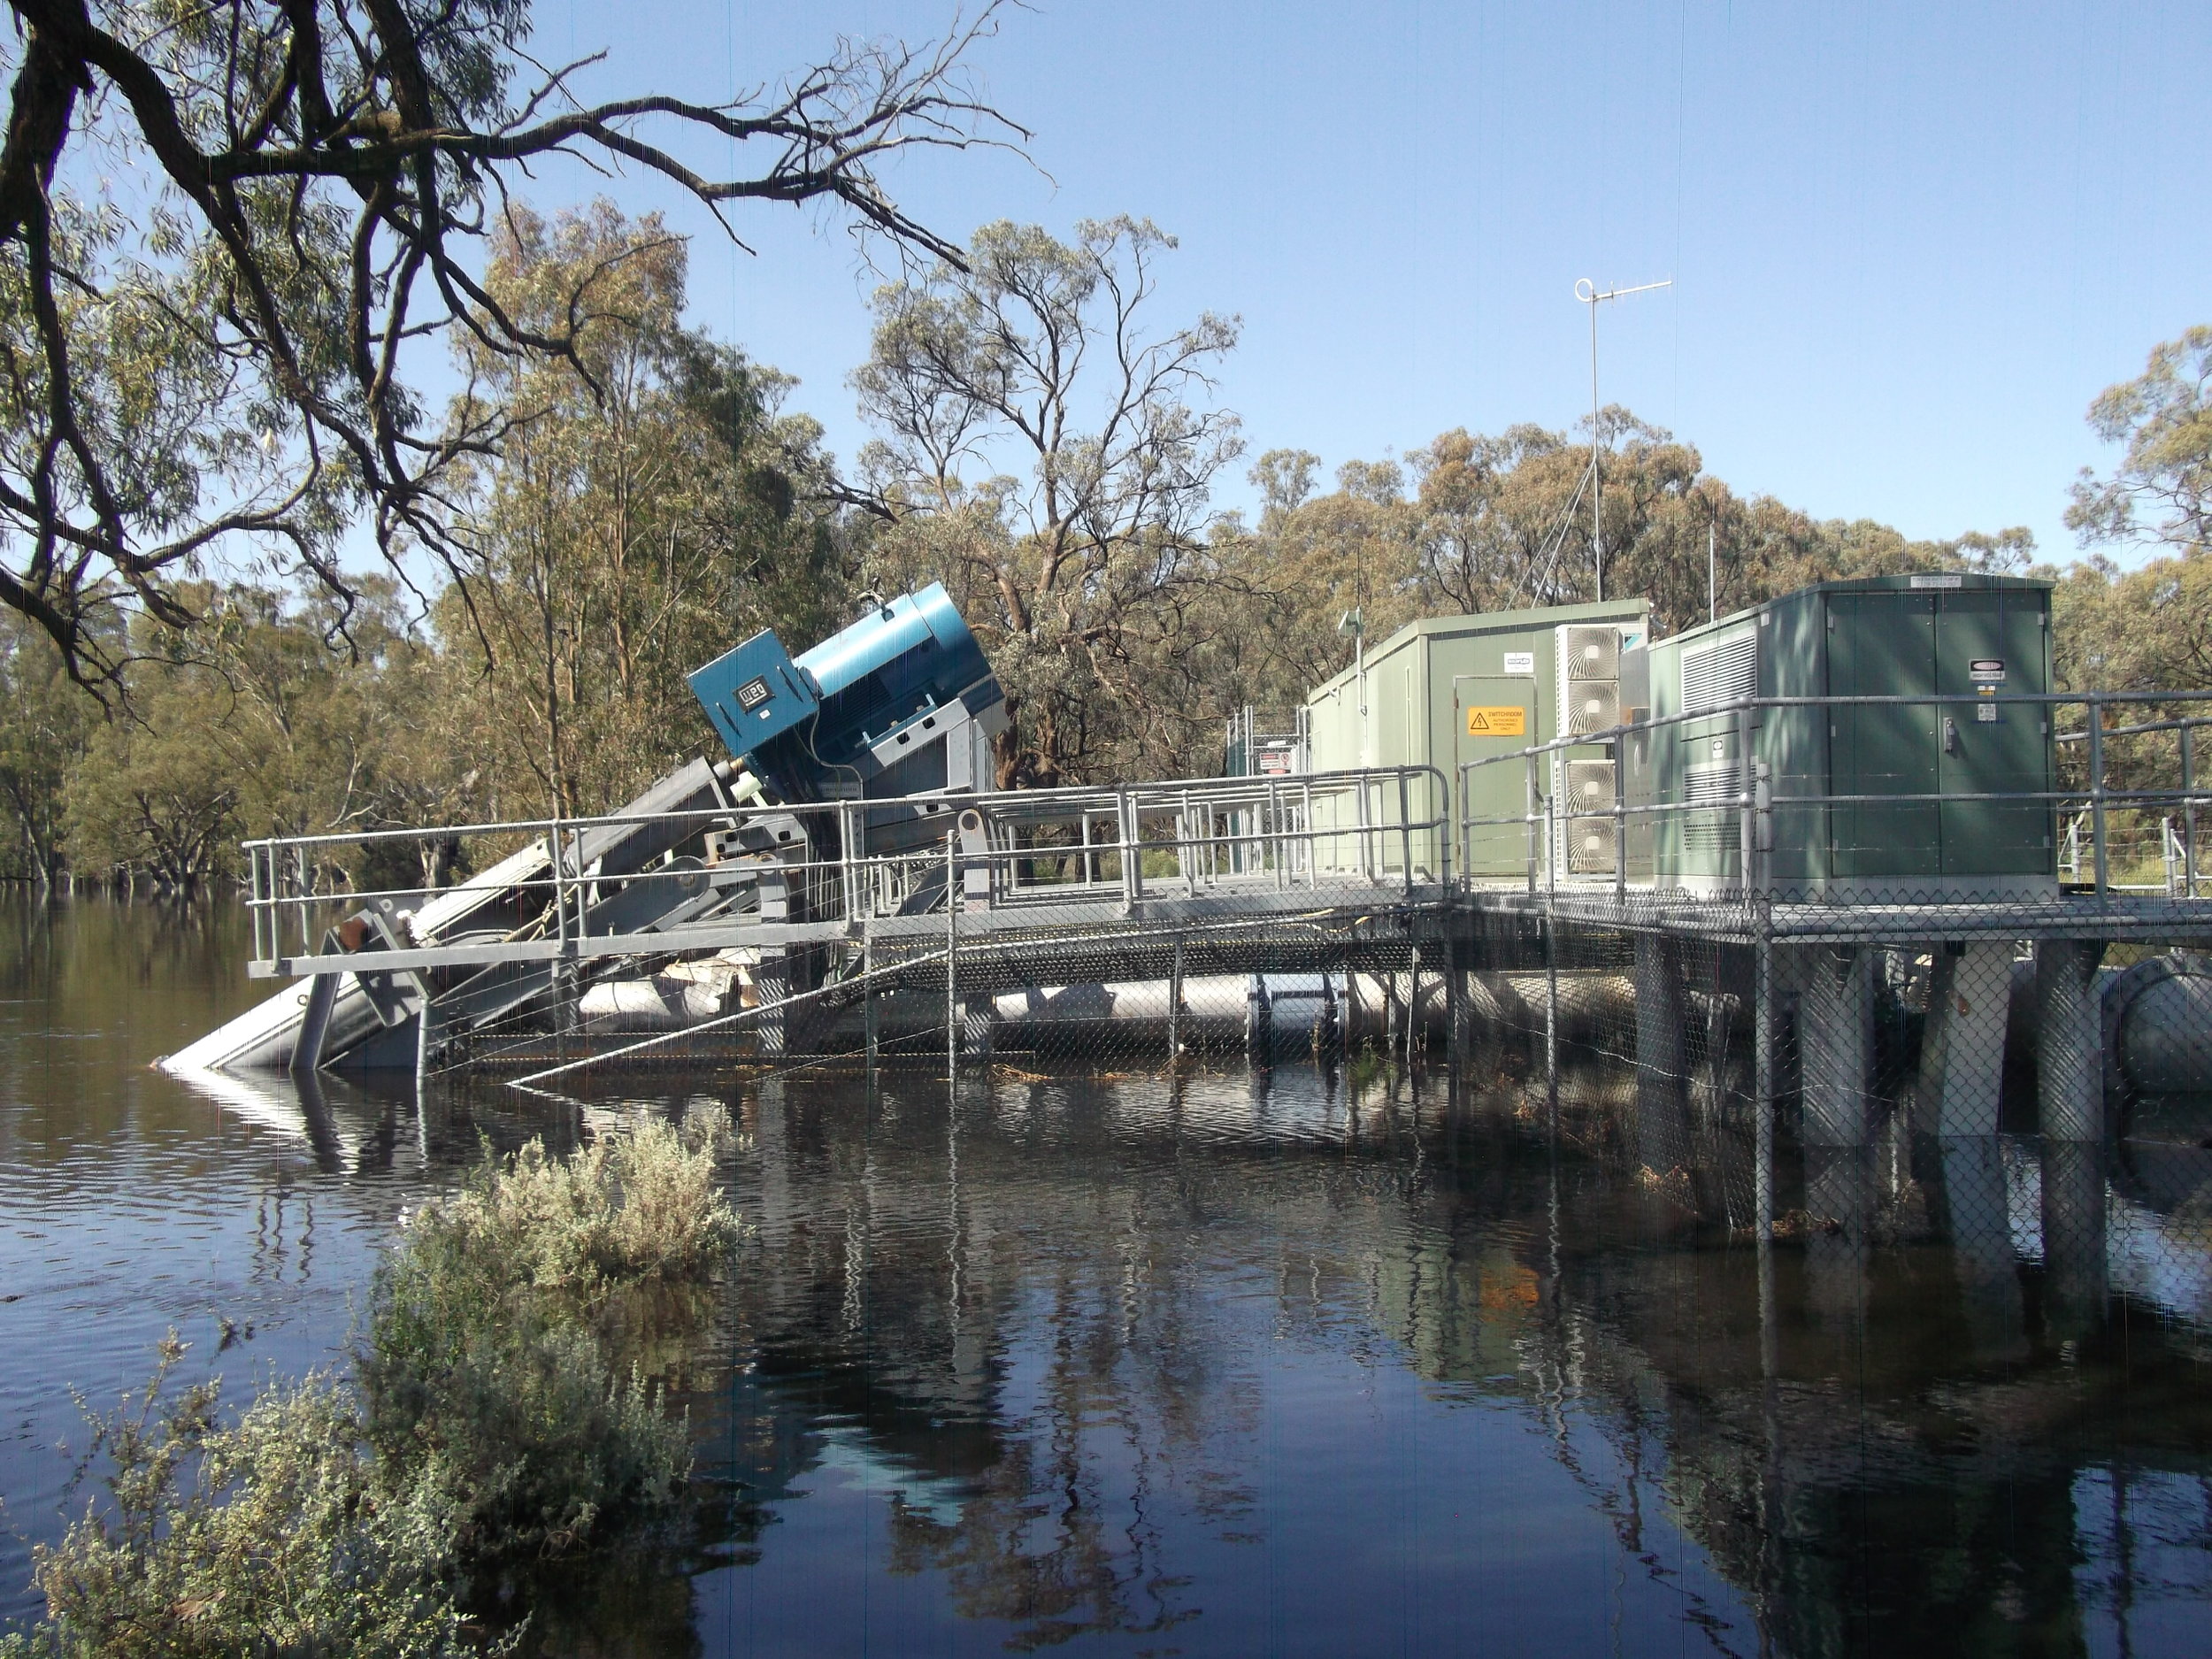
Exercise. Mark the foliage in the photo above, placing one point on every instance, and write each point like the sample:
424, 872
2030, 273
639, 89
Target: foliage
249, 722
1044, 457
499, 1411
43, 733
216, 342
1473, 522
631, 534
485, 1378
274, 1535
2164, 418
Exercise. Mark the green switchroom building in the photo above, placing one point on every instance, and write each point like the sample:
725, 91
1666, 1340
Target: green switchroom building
1446, 690
1975, 639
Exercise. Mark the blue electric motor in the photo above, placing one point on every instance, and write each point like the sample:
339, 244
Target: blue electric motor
834, 710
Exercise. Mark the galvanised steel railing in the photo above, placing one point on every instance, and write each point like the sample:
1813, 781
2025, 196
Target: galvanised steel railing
773, 874
1753, 802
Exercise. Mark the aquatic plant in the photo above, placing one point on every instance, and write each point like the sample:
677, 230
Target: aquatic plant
497, 1412
274, 1535
489, 1373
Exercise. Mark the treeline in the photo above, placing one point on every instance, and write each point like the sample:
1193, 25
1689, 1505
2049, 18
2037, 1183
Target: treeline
1046, 449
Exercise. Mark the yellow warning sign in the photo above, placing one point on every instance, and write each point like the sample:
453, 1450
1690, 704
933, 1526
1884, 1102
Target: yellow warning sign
1509, 721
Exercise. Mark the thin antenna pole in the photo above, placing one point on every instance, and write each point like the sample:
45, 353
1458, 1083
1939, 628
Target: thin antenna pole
1597, 469
1587, 291
1712, 581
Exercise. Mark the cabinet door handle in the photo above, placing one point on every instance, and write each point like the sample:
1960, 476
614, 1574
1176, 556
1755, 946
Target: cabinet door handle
1950, 735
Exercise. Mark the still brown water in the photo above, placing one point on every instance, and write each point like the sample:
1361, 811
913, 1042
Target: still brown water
1263, 1363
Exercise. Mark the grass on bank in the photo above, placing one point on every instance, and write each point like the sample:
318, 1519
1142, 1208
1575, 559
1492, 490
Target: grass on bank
497, 1410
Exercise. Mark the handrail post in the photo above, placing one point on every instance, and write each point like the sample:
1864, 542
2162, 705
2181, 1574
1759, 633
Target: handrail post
1466, 836
1132, 876
2188, 809
2096, 788
1620, 824
1359, 819
1528, 818
1271, 824
1746, 829
847, 870
1405, 830
1305, 810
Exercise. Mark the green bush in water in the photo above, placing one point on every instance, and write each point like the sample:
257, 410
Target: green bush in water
493, 1415
271, 1536
487, 1372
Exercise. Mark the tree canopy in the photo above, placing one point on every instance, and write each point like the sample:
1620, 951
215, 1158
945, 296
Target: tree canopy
228, 229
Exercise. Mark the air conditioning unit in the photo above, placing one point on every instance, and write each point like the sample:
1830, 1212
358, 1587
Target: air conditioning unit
1589, 787
1591, 705
1591, 651
1592, 848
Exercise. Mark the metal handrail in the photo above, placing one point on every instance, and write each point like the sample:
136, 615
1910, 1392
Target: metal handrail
278, 867
1755, 800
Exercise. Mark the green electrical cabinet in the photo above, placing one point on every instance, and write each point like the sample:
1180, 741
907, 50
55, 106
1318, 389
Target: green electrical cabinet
1945, 634
1446, 690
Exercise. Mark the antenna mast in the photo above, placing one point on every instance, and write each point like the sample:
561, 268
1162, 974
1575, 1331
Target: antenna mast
1587, 291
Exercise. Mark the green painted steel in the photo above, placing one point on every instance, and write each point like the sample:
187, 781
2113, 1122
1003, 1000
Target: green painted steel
1946, 635
1413, 707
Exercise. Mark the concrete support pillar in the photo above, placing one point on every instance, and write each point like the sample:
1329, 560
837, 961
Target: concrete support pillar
1980, 1226
1835, 1041
1458, 1011
1662, 1139
2068, 1039
977, 1028
773, 980
1963, 1048
2075, 1283
1838, 1186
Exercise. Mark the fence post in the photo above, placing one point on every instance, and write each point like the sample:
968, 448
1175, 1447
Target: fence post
1747, 785
952, 954
1551, 958
1620, 824
868, 1001
1175, 1007
1763, 1087
2096, 789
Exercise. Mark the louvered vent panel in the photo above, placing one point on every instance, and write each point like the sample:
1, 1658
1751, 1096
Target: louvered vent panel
1718, 783
1590, 846
1594, 653
1591, 705
1725, 671
1589, 786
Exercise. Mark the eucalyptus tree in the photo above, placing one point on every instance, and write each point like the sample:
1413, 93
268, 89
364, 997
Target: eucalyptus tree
653, 510
228, 227
1051, 459
2159, 494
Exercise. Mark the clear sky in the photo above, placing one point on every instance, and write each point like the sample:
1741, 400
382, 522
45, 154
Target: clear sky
1909, 241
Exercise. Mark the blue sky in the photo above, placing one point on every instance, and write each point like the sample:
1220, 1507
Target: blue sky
1910, 241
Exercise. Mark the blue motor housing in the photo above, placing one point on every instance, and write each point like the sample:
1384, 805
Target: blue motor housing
792, 719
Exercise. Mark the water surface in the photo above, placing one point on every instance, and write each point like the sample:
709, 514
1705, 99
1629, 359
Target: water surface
1235, 1364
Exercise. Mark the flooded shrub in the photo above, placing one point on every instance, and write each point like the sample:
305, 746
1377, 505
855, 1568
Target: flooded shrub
626, 1211
498, 1412
493, 1372
272, 1536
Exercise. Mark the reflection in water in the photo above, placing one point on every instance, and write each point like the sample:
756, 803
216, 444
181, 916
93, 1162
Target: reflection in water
1232, 1364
